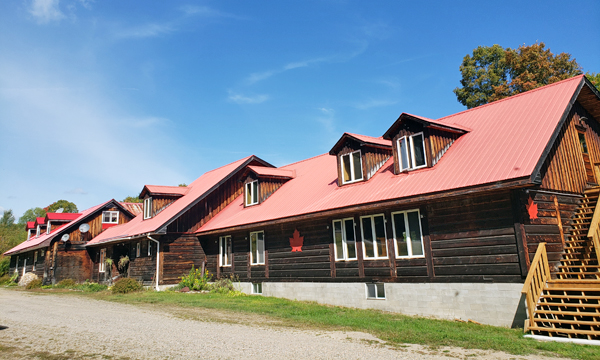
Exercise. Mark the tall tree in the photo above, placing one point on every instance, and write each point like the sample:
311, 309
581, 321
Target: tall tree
31, 214
67, 206
133, 199
7, 218
594, 78
493, 73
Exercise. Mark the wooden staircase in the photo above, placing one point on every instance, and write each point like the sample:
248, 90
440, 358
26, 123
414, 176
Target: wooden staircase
567, 303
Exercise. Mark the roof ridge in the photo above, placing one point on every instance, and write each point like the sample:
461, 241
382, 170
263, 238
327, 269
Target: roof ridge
509, 97
299, 161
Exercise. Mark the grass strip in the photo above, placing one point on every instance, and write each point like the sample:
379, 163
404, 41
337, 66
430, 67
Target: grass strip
393, 328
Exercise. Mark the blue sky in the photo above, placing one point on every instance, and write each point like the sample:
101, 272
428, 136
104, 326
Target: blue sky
98, 98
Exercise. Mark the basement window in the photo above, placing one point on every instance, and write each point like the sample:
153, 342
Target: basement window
376, 291
343, 238
225, 251
110, 217
411, 152
252, 193
257, 288
351, 167
147, 208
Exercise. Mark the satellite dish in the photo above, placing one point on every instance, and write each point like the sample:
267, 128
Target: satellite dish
59, 211
65, 237
83, 228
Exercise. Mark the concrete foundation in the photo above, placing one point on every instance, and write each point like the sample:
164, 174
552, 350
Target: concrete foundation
492, 304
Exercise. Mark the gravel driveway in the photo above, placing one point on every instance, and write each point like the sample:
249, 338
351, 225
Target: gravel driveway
43, 325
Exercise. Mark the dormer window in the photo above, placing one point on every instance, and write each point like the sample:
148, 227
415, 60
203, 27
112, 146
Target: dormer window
110, 217
252, 193
351, 167
147, 208
411, 150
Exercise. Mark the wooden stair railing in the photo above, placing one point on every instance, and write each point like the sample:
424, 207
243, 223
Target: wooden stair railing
594, 232
538, 275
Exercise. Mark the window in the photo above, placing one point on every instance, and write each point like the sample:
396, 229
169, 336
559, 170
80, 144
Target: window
101, 263
225, 251
17, 265
138, 248
147, 208
351, 167
584, 148
374, 238
257, 288
375, 291
48, 227
343, 239
411, 152
257, 248
407, 233
149, 248
252, 193
34, 260
24, 266
37, 233
110, 217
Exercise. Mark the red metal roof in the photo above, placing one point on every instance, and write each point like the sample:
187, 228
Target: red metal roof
196, 191
61, 216
274, 172
40, 221
370, 140
134, 208
30, 225
505, 141
164, 190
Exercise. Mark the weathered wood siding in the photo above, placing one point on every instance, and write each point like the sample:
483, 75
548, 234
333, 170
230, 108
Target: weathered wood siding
178, 255
372, 158
72, 262
565, 169
159, 203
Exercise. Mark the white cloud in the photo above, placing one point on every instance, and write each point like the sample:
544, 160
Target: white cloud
374, 103
243, 99
46, 11
77, 191
259, 76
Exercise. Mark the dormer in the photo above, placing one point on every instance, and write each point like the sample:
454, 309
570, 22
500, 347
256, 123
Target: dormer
359, 157
157, 198
40, 226
260, 182
56, 220
418, 142
30, 227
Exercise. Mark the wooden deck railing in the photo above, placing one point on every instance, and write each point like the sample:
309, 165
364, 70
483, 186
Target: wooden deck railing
594, 231
538, 274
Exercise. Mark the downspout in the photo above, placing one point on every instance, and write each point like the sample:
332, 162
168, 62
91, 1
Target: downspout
157, 258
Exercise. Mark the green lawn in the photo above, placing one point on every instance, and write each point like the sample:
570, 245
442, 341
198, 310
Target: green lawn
394, 328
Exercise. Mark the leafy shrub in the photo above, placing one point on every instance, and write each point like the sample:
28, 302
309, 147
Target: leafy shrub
4, 265
224, 285
126, 285
4, 279
91, 287
66, 284
196, 280
34, 284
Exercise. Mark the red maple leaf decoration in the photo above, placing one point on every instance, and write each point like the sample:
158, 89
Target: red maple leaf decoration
297, 241
532, 209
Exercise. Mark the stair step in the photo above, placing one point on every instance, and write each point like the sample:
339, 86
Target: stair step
568, 313
570, 322
567, 331
572, 297
578, 266
569, 305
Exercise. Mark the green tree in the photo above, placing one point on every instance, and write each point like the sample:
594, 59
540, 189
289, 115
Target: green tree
183, 185
31, 214
493, 73
594, 78
132, 199
67, 206
7, 218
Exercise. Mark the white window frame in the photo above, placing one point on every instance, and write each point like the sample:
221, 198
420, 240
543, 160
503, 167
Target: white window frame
375, 286
408, 238
409, 140
110, 215
24, 266
257, 288
102, 263
138, 249
147, 208
17, 265
224, 256
48, 227
38, 231
345, 256
352, 180
375, 250
35, 255
249, 189
260, 248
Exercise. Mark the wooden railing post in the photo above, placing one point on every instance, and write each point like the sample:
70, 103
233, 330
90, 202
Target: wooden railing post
538, 275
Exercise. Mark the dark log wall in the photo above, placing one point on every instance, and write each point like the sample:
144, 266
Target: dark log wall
565, 169
142, 268
473, 239
72, 262
29, 256
545, 228
178, 255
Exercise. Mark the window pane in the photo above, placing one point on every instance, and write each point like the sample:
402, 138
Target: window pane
255, 192
337, 238
261, 248
400, 230
403, 150
584, 148
380, 236
419, 149
228, 247
253, 248
357, 166
371, 292
415, 233
248, 194
115, 216
350, 241
346, 167
367, 231
380, 291
222, 251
